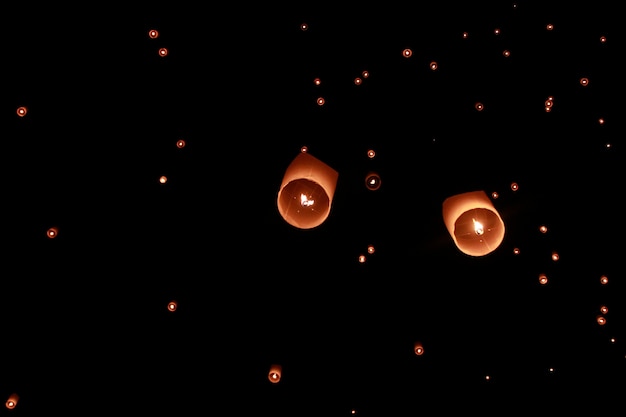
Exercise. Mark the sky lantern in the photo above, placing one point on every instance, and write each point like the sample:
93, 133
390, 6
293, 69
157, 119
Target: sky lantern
12, 401
473, 222
307, 190
275, 373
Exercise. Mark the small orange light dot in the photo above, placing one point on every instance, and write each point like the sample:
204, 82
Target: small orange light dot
304, 149
495, 195
362, 259
602, 39
555, 256
21, 111
52, 232
506, 53
317, 81
601, 121
304, 26
543, 279
543, 229
358, 81
172, 305
371, 249
407, 53
601, 320
514, 186
371, 153
479, 106
433, 65
516, 251
163, 179
320, 101
549, 26
163, 51
604, 309
496, 31
604, 280
365, 74
180, 143
584, 82
465, 35
153, 34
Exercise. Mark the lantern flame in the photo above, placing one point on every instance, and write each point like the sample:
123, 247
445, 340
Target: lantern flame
478, 227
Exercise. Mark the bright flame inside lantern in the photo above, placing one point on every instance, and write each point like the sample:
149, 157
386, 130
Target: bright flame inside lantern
478, 227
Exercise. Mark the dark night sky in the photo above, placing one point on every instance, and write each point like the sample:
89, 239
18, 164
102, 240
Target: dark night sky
86, 323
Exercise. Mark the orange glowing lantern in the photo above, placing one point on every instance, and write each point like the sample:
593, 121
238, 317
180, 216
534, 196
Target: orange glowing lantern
275, 373
473, 222
307, 190
418, 348
52, 232
172, 305
12, 401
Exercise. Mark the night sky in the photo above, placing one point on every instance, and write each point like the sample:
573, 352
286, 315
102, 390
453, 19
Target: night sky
519, 100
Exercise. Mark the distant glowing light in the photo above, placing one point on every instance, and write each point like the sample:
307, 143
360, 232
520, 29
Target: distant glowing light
358, 81
304, 26
52, 232
362, 259
543, 279
604, 309
371, 249
163, 51
180, 143
162, 179
549, 26
602, 39
317, 81
479, 106
496, 31
153, 33
584, 81
172, 306
365, 74
506, 53
418, 348
601, 320
465, 35
495, 195
304, 149
604, 280
514, 186
372, 181
516, 251
320, 101
555, 256
371, 153
601, 121
407, 53
434, 65
21, 111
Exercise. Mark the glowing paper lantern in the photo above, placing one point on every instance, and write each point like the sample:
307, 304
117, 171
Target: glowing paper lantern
473, 222
275, 373
306, 193
12, 401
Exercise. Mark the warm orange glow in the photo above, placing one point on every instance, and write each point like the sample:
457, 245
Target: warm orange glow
21, 111
601, 121
495, 195
496, 31
162, 179
506, 53
543, 229
516, 251
304, 26
275, 373
465, 35
604, 280
549, 26
371, 249
601, 320
362, 259
163, 52
433, 65
372, 181
604, 309
153, 34
418, 348
12, 401
304, 149
172, 305
543, 279
180, 143
602, 39
514, 186
555, 256
317, 81
52, 232
407, 53
479, 106
306, 192
320, 101
358, 81
371, 153
365, 74
473, 223
584, 81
